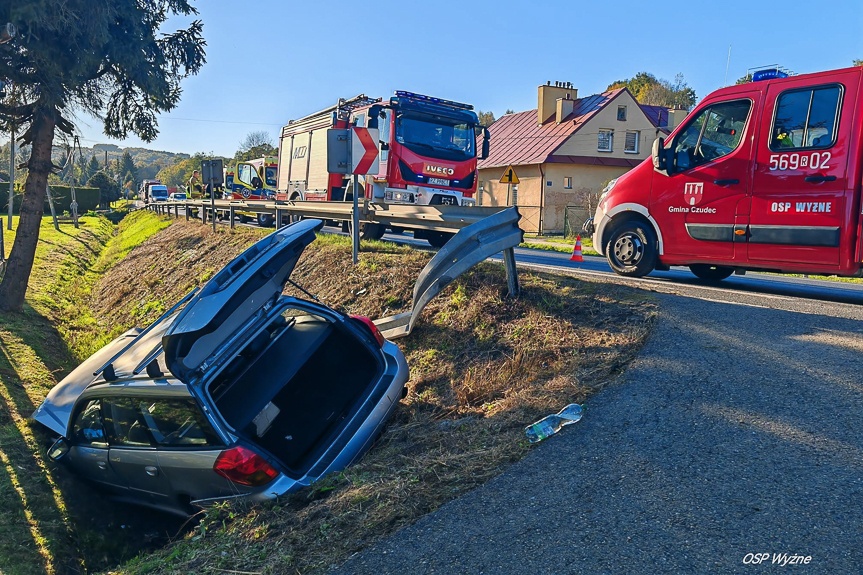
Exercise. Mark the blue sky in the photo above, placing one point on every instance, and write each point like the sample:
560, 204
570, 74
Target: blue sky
270, 61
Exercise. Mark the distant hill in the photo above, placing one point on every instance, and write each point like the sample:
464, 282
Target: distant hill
149, 162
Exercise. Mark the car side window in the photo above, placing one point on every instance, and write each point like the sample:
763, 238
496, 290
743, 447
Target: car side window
124, 423
177, 423
88, 429
806, 119
715, 132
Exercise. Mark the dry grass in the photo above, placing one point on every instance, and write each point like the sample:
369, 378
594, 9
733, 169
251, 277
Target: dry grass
482, 367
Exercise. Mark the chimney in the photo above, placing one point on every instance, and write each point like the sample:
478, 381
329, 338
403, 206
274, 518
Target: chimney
547, 100
565, 106
675, 117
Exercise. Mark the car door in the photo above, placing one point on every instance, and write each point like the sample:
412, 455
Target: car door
801, 191
132, 452
187, 447
698, 205
88, 451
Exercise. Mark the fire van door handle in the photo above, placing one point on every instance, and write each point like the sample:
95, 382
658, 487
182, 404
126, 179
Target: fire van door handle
726, 182
152, 470
818, 179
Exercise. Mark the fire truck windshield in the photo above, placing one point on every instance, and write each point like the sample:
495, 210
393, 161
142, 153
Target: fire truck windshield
435, 136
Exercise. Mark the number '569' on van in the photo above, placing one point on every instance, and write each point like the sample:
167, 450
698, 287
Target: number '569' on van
760, 176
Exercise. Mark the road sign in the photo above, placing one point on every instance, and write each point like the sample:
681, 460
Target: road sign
364, 151
211, 171
509, 176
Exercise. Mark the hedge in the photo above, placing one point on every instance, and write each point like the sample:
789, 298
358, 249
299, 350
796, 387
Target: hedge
88, 199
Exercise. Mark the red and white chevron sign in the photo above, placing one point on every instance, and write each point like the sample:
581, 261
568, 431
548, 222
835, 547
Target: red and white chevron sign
364, 151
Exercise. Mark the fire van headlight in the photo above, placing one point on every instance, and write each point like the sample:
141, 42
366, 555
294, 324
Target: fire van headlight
608, 187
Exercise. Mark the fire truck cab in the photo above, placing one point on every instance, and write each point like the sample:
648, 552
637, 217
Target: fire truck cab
760, 176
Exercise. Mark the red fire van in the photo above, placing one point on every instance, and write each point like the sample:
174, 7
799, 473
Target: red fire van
760, 176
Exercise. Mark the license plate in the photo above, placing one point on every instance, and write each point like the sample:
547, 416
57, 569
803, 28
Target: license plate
439, 181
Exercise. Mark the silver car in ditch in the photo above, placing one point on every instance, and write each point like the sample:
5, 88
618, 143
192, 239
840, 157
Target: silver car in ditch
238, 391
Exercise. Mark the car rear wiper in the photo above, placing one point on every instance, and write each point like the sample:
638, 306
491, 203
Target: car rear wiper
109, 367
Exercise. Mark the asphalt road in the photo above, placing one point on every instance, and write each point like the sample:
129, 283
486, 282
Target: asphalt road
736, 431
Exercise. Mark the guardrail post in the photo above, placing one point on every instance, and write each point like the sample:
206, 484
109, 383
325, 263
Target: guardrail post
511, 272
187, 210
278, 218
203, 214
231, 216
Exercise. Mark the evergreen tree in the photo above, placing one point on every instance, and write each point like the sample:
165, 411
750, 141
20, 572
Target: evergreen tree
127, 168
110, 59
109, 191
92, 168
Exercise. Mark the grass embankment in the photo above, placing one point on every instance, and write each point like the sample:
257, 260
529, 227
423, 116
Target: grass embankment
482, 367
44, 527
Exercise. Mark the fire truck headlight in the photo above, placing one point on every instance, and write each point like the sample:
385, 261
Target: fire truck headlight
468, 202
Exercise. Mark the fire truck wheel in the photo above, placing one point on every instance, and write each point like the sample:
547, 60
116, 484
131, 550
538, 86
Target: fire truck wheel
439, 239
266, 220
397, 230
244, 219
367, 231
632, 249
710, 273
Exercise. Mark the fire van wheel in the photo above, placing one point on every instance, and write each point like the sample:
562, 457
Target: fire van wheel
632, 250
710, 273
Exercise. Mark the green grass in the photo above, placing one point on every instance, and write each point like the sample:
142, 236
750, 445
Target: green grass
585, 250
38, 346
36, 535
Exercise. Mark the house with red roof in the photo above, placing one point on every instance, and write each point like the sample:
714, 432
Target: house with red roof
566, 150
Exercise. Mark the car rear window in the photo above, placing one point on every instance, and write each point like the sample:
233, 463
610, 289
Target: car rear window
177, 423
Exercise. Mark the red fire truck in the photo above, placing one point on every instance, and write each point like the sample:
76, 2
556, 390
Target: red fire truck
428, 154
760, 176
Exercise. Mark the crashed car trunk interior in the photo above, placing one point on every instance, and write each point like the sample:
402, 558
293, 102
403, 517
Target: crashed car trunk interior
294, 385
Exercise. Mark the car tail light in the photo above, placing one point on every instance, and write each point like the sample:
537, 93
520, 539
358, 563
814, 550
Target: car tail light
244, 466
372, 328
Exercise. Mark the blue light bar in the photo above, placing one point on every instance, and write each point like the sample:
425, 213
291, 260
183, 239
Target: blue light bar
420, 97
770, 74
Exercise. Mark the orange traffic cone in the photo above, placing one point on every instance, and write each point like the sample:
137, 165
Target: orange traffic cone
576, 250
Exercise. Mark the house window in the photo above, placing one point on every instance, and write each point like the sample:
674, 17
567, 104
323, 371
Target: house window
604, 143
621, 113
631, 144
567, 183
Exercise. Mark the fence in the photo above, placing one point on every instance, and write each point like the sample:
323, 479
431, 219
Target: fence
573, 218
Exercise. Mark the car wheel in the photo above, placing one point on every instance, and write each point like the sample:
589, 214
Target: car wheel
711, 273
631, 250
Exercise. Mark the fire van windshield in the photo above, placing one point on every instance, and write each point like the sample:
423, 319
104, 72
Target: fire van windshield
435, 136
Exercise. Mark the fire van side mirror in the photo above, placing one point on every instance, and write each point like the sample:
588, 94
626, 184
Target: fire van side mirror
662, 159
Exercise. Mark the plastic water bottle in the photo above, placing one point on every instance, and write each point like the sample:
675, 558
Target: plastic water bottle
551, 424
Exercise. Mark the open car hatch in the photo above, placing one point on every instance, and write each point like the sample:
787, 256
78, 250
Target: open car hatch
236, 294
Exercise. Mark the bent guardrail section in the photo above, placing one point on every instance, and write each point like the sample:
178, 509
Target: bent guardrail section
470, 246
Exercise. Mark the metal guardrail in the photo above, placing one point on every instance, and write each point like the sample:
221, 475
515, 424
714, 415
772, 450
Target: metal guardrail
433, 218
